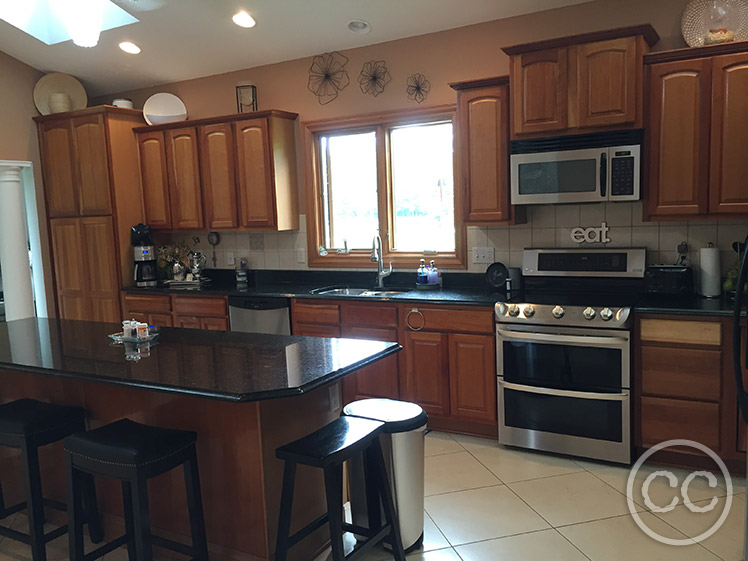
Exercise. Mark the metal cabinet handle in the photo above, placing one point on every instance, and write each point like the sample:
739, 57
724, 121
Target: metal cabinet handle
407, 320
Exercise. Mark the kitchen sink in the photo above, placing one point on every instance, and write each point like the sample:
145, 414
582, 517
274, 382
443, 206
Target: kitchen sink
341, 291
348, 291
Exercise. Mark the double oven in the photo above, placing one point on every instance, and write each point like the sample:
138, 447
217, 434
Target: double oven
564, 365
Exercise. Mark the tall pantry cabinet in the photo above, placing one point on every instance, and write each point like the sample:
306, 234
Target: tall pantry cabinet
93, 197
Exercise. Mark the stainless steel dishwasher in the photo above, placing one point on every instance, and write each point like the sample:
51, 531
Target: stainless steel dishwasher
257, 314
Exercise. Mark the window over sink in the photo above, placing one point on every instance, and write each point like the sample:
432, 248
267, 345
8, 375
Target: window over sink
391, 174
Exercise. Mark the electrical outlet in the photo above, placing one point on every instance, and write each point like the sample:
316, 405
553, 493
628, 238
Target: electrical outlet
483, 255
301, 255
230, 259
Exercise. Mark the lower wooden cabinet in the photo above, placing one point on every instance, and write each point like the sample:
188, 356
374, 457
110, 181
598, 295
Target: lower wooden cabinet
472, 377
193, 312
427, 371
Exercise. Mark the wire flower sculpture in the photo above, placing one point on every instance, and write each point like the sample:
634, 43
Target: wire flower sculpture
418, 87
374, 77
328, 76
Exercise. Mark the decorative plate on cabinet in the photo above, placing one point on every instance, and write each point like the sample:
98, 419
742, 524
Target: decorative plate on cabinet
163, 108
64, 90
695, 28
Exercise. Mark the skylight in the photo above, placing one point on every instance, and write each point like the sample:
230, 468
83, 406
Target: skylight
41, 19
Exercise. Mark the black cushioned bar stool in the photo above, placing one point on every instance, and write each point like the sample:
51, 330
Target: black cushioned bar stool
134, 453
328, 448
29, 424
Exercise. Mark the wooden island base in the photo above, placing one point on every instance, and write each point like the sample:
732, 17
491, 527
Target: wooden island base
240, 476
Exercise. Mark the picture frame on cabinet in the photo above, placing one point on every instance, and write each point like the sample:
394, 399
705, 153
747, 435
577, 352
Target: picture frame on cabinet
246, 99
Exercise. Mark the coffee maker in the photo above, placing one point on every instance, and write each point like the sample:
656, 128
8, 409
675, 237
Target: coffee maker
144, 255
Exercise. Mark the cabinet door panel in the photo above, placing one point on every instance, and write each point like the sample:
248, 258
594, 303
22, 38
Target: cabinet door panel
254, 166
155, 179
484, 157
472, 377
57, 165
427, 371
102, 278
539, 91
678, 372
92, 167
728, 163
667, 419
218, 176
184, 178
607, 82
162, 320
314, 330
376, 380
680, 101
190, 322
70, 275
214, 324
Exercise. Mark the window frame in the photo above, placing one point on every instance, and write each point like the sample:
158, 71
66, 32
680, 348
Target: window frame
380, 122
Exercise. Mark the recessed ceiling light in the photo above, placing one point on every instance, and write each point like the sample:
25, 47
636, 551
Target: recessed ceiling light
129, 47
359, 26
243, 19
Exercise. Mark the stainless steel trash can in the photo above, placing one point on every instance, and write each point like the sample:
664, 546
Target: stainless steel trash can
403, 447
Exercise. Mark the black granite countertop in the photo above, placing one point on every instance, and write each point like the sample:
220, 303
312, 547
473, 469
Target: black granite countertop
693, 305
229, 366
469, 289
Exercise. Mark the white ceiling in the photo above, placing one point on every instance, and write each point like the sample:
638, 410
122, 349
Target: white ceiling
183, 39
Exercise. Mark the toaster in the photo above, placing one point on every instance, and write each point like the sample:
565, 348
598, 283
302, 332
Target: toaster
669, 280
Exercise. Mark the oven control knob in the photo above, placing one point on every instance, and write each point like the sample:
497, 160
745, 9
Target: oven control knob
606, 314
589, 313
514, 310
529, 311
558, 312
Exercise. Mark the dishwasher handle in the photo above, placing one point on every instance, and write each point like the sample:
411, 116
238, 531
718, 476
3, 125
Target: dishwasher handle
257, 303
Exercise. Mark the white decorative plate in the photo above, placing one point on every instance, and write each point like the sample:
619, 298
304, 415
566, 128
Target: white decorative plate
59, 83
163, 108
693, 27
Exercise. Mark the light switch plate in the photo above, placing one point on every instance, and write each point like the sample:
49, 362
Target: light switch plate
301, 255
230, 259
483, 255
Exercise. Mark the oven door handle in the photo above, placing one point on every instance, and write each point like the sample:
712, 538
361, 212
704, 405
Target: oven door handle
535, 337
565, 393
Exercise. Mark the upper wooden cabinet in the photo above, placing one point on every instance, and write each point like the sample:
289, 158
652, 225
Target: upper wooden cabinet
483, 131
697, 131
55, 139
223, 172
579, 84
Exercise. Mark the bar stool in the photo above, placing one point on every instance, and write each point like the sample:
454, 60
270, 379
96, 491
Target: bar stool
328, 448
134, 453
29, 424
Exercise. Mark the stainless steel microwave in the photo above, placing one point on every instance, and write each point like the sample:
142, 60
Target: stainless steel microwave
586, 168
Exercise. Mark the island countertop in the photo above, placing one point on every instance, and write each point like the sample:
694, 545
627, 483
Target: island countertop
220, 365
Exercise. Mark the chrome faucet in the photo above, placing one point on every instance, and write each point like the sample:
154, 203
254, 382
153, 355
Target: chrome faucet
376, 255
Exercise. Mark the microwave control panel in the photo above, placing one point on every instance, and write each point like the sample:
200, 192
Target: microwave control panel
622, 176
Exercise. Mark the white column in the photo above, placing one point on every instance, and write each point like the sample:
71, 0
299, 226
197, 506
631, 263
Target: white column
14, 252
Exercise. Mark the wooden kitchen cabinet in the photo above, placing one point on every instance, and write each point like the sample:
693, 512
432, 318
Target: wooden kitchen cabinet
91, 164
483, 129
472, 383
218, 176
55, 140
579, 84
154, 179
72, 303
427, 371
194, 312
255, 181
185, 192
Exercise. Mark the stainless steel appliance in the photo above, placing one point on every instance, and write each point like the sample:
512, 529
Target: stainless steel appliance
145, 271
586, 168
669, 280
563, 352
260, 315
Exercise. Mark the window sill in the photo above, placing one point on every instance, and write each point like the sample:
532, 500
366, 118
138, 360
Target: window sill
361, 260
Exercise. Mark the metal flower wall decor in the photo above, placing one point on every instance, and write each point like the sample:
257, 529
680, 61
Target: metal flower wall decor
418, 87
374, 77
328, 76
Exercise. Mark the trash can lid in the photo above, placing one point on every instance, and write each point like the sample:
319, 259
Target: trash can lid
398, 416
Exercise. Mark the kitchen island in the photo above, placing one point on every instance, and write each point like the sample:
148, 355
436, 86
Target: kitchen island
243, 394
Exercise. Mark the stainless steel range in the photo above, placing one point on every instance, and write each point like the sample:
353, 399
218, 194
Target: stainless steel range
563, 353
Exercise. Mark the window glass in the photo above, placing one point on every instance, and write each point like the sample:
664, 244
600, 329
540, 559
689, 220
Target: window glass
349, 189
423, 187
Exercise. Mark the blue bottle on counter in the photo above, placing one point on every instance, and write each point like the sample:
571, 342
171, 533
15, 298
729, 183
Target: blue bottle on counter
422, 273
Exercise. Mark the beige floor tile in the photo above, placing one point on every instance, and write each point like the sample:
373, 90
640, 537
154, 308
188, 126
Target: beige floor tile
482, 514
543, 545
438, 443
620, 539
572, 498
660, 491
727, 541
456, 472
432, 536
512, 464
448, 554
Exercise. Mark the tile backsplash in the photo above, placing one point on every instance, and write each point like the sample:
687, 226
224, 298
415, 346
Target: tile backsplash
547, 226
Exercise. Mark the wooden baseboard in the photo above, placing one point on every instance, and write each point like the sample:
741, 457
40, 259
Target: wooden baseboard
464, 427
691, 461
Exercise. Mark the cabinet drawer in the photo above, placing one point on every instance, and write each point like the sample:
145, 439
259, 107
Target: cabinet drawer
369, 315
199, 306
667, 419
147, 304
686, 373
684, 332
316, 313
445, 319
314, 330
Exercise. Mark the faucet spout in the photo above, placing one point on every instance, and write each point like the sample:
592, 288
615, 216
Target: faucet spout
376, 255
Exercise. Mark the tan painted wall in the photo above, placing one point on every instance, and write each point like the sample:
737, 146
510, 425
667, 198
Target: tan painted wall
18, 139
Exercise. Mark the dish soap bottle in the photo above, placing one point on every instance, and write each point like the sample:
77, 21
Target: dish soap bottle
433, 273
421, 273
